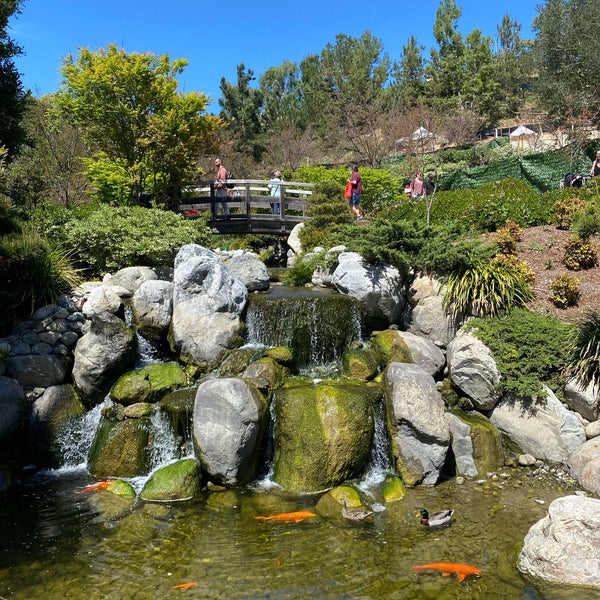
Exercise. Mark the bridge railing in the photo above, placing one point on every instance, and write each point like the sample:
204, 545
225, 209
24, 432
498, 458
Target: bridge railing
247, 198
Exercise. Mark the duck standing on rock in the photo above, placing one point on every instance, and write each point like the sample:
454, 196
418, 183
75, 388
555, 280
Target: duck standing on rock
436, 519
354, 514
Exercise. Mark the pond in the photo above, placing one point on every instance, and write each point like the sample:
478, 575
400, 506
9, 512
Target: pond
59, 542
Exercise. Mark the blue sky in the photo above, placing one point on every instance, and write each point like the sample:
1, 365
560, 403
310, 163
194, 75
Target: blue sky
216, 37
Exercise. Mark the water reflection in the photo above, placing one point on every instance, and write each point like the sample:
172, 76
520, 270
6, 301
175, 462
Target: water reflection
57, 543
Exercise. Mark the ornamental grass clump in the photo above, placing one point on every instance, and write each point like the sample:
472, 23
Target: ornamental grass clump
584, 351
486, 289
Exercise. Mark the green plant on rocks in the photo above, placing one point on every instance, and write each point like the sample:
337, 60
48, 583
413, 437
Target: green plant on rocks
584, 350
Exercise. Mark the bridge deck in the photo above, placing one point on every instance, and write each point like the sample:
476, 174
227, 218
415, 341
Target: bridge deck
250, 205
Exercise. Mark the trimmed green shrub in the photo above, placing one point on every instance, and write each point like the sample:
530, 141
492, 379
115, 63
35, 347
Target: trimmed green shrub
565, 290
579, 254
529, 349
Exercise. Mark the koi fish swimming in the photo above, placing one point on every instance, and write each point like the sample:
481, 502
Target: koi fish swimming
184, 586
447, 569
96, 487
293, 517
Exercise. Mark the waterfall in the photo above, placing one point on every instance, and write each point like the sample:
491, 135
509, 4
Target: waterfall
380, 463
147, 353
317, 325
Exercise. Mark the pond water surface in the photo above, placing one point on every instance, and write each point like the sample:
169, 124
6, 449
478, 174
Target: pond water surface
57, 543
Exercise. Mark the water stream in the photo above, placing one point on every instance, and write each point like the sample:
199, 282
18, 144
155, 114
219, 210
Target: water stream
58, 542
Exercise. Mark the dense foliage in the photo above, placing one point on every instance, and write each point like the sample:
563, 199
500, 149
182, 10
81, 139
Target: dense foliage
529, 349
584, 351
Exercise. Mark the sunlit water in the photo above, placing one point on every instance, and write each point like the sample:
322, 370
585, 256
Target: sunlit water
60, 543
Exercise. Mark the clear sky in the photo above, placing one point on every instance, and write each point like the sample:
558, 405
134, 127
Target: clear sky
215, 37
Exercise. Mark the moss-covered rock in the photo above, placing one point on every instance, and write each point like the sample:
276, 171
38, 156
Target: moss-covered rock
393, 489
121, 488
392, 347
265, 374
237, 360
178, 481
120, 448
488, 450
282, 354
179, 406
330, 504
323, 433
138, 410
361, 363
148, 384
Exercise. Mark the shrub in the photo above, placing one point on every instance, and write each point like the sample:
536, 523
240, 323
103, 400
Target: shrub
564, 210
584, 350
487, 289
506, 237
529, 349
300, 273
579, 254
565, 290
519, 265
585, 222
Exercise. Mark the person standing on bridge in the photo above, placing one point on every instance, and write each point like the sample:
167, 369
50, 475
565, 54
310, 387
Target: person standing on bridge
221, 186
275, 189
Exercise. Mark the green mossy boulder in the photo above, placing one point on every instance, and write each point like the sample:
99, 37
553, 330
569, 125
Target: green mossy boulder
323, 433
237, 360
361, 363
330, 504
265, 373
181, 480
391, 346
121, 448
393, 489
179, 406
148, 384
121, 488
488, 450
282, 354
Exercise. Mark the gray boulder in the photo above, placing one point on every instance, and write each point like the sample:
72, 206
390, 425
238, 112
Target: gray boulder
230, 418
583, 400
37, 370
424, 352
130, 278
584, 465
152, 308
473, 370
102, 298
101, 355
564, 546
379, 288
250, 270
420, 434
541, 427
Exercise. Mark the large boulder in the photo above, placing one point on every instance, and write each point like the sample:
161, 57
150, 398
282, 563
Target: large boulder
473, 370
584, 465
37, 370
564, 546
583, 399
542, 427
430, 319
230, 418
51, 416
106, 351
379, 288
180, 480
415, 413
323, 434
424, 352
148, 384
102, 298
152, 308
250, 270
130, 278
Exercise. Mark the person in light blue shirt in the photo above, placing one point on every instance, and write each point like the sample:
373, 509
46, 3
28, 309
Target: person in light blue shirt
275, 189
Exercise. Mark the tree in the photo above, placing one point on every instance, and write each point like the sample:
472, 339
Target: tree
129, 109
13, 99
565, 56
409, 74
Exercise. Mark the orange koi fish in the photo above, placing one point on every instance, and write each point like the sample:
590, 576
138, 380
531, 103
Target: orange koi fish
447, 569
294, 517
184, 586
96, 487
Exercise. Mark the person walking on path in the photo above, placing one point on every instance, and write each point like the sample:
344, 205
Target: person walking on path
221, 186
275, 189
357, 190
417, 186
595, 170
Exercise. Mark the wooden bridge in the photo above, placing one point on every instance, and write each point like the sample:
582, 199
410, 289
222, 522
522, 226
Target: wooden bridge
250, 205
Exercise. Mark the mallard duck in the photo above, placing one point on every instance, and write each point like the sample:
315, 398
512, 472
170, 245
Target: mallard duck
436, 519
354, 514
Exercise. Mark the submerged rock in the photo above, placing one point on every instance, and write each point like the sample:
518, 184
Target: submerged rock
178, 481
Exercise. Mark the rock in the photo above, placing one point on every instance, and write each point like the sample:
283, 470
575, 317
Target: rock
12, 407
584, 465
430, 319
592, 430
424, 352
582, 400
361, 363
564, 546
420, 434
392, 346
527, 460
323, 434
541, 427
393, 489
265, 374
473, 370
148, 384
230, 418
130, 278
37, 370
102, 298
180, 480
102, 355
152, 308
250, 270
379, 288
293, 240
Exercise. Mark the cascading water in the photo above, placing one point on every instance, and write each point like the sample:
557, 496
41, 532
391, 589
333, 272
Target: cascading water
317, 325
